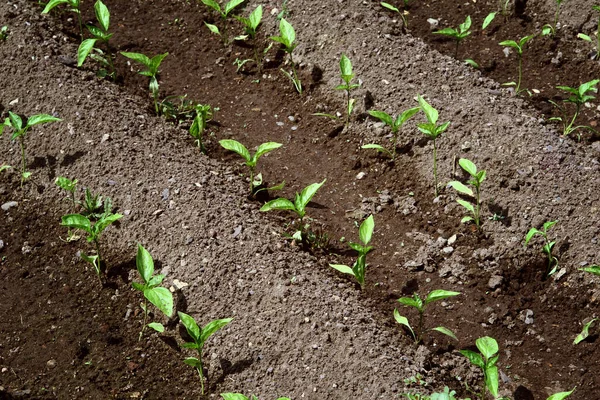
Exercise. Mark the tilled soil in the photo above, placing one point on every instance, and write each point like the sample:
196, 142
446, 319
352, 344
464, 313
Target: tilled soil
299, 328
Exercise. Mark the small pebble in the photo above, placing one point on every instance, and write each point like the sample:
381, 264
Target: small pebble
8, 205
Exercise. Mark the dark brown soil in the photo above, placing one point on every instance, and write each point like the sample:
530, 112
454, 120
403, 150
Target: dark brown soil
88, 339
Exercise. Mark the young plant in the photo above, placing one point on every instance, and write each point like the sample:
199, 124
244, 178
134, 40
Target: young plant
238, 396
151, 71
394, 124
585, 332
486, 359
202, 114
402, 13
74, 6
224, 13
504, 7
589, 39
251, 25
94, 231
477, 178
447, 394
301, 200
459, 34
358, 269
547, 247
99, 34
519, 47
578, 96
287, 38
432, 130
4, 167
251, 160
561, 395
68, 185
420, 305
94, 205
347, 76
20, 129
199, 337
160, 297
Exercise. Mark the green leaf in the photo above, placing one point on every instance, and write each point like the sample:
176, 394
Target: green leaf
263, 149
155, 280
255, 17
26, 175
584, 37
510, 43
212, 4
445, 331
287, 33
212, 327
593, 269
237, 147
213, 28
84, 50
464, 27
161, 298
411, 302
4, 167
190, 326
549, 224
468, 166
439, 294
389, 7
105, 221
487, 346
524, 41
466, 219
53, 3
144, 263
377, 147
66, 183
461, 188
138, 286
466, 205
231, 5
278, 204
405, 116
233, 396
561, 395
346, 68
342, 268
138, 57
366, 230
532, 232
158, 327
403, 321
102, 15
585, 332
92, 260
475, 358
447, 32
430, 112
491, 380
306, 195
472, 63
488, 20
194, 362
77, 221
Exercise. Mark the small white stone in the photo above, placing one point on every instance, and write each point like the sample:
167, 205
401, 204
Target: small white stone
451, 240
361, 175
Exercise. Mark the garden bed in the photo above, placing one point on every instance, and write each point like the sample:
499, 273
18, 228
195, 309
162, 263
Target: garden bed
300, 328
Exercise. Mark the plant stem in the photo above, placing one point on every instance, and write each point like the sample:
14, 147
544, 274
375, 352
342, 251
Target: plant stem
520, 73
201, 372
347, 106
477, 207
420, 337
297, 82
569, 129
22, 143
80, 24
435, 181
99, 259
556, 17
145, 318
394, 141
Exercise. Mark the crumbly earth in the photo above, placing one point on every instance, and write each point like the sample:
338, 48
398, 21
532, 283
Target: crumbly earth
299, 329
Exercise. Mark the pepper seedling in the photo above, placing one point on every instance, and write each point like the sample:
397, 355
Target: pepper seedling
94, 231
160, 297
202, 114
92, 203
519, 47
20, 129
578, 96
561, 395
251, 160
250, 26
347, 76
432, 130
459, 34
151, 71
394, 124
547, 247
224, 13
74, 6
486, 359
199, 337
99, 34
477, 179
68, 185
420, 305
365, 232
402, 13
239, 396
585, 332
287, 38
298, 206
